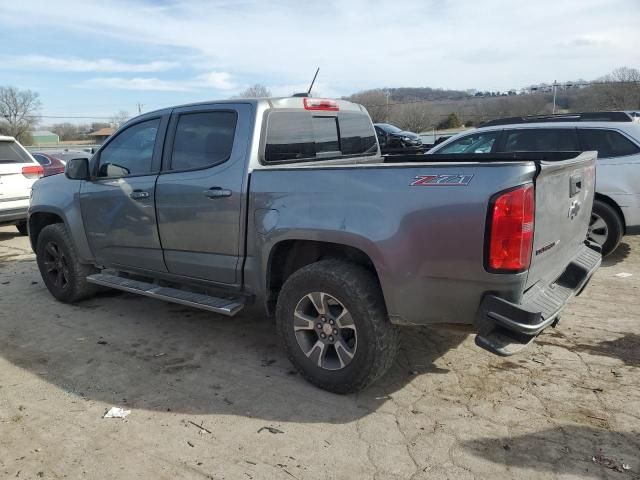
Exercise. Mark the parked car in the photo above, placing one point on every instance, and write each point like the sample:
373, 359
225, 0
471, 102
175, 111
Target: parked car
288, 203
393, 139
614, 135
18, 172
51, 164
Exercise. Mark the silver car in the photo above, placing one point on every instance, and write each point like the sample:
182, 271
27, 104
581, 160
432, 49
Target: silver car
616, 137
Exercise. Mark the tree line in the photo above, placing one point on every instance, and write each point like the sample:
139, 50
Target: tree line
421, 110
414, 109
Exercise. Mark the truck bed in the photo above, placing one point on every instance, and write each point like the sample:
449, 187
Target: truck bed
427, 241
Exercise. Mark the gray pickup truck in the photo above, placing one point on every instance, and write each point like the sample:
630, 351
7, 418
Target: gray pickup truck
288, 203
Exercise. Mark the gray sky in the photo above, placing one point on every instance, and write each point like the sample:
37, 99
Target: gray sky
99, 57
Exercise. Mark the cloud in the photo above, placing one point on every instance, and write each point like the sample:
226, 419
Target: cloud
211, 80
357, 44
72, 64
216, 80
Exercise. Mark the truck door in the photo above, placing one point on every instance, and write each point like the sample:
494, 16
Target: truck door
117, 204
199, 194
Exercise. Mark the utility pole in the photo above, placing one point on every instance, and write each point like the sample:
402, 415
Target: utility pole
387, 94
139, 108
555, 87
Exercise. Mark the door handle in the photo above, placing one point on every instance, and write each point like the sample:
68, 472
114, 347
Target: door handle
575, 185
217, 192
139, 194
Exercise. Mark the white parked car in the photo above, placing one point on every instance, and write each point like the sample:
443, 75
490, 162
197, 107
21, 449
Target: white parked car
616, 137
18, 172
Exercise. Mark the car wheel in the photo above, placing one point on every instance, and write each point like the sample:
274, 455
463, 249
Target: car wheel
333, 321
61, 271
22, 228
605, 227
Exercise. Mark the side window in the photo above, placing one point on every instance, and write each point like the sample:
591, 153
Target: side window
608, 143
203, 139
540, 140
130, 152
481, 142
41, 159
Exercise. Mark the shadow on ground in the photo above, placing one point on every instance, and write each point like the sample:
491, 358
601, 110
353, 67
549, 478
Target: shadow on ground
625, 348
131, 351
576, 450
619, 255
9, 235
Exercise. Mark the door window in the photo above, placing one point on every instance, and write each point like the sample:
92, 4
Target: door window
130, 152
203, 139
481, 142
608, 143
540, 140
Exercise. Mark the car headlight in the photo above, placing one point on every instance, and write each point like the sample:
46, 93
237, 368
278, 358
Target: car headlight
406, 139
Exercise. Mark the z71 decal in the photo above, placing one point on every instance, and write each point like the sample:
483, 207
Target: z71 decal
449, 180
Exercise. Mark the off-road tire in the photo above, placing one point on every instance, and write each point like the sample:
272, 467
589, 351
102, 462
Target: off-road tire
358, 290
76, 287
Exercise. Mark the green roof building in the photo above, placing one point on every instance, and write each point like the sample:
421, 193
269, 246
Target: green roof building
44, 137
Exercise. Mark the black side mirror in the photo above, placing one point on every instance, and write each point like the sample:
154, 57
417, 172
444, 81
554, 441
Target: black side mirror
77, 169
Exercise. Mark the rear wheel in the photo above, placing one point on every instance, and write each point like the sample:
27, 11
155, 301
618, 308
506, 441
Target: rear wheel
22, 228
62, 273
335, 327
605, 227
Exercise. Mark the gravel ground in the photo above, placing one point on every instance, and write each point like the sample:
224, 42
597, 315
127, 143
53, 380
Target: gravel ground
212, 397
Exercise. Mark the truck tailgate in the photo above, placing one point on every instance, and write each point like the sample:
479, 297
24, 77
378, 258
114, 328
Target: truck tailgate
564, 198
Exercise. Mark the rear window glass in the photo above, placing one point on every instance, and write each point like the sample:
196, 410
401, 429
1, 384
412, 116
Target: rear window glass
607, 142
540, 140
10, 152
203, 139
295, 136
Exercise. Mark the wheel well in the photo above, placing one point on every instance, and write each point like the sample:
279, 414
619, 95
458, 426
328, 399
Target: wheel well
37, 222
609, 201
291, 255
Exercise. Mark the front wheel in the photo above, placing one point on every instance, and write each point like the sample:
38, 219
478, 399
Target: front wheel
62, 272
335, 328
605, 227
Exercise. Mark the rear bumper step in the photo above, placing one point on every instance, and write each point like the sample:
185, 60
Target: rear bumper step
505, 328
223, 306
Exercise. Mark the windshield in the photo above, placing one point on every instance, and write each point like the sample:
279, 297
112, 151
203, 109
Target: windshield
389, 128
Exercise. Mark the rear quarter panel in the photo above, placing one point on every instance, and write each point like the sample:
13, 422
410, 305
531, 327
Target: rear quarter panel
426, 242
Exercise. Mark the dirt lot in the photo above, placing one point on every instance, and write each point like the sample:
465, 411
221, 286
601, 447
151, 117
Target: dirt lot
201, 389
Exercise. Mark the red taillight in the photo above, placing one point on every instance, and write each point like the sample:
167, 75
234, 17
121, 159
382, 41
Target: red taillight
321, 104
511, 230
33, 171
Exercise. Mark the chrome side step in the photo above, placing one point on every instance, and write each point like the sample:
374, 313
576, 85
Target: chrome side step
223, 306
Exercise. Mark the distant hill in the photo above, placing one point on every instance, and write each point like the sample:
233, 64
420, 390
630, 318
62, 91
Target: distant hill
425, 93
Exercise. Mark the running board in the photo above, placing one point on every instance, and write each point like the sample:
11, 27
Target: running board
223, 306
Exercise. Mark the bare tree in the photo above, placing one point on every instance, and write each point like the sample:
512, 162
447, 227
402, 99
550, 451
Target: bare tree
255, 91
120, 117
414, 117
620, 90
375, 101
18, 112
